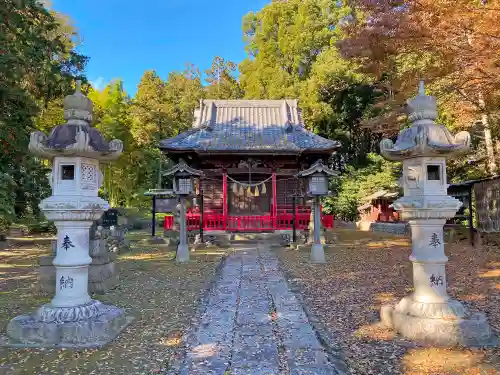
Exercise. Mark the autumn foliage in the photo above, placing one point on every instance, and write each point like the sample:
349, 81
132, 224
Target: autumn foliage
454, 45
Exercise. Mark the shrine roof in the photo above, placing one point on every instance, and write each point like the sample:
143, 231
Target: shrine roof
269, 126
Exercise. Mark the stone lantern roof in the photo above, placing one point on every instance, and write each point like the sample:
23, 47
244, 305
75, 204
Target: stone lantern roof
182, 167
424, 137
317, 167
76, 137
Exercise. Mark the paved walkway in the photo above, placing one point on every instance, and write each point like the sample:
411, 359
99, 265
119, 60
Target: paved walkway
253, 324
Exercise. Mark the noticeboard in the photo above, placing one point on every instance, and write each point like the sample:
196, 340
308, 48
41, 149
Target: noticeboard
109, 218
165, 205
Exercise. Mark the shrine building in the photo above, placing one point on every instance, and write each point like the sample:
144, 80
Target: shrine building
250, 152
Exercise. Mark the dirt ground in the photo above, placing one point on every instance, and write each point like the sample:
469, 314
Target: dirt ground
160, 294
366, 270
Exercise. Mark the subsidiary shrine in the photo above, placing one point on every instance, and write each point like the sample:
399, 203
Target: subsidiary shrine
250, 152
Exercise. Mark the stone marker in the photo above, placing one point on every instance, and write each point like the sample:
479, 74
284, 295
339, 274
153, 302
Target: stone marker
429, 315
72, 318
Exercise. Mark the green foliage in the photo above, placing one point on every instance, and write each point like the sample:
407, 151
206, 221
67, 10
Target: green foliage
221, 81
37, 67
7, 201
357, 183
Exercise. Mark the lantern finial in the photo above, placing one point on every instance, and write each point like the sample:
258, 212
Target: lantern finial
421, 88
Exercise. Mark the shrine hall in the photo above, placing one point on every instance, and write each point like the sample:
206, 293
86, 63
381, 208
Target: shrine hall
250, 152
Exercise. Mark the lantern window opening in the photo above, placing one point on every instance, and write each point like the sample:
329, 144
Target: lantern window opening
67, 172
184, 185
433, 172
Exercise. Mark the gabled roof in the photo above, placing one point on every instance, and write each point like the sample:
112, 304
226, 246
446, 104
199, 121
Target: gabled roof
380, 194
269, 126
183, 167
318, 167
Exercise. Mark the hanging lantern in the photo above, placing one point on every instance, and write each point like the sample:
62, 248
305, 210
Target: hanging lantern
235, 188
249, 191
264, 189
256, 193
241, 192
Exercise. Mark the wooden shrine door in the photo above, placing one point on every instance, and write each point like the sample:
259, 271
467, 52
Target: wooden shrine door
242, 203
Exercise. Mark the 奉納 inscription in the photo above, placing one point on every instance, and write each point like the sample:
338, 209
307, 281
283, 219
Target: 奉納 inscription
434, 241
67, 243
436, 280
66, 282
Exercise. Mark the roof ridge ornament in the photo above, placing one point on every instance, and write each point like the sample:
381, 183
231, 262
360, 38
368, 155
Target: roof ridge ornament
424, 137
78, 107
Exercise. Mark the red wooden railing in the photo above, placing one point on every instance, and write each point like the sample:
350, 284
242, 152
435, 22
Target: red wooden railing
250, 223
254, 223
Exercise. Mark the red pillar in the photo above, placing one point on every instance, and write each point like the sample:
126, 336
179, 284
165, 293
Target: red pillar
275, 200
224, 199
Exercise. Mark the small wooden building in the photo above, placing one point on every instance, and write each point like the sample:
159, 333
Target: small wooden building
377, 207
250, 152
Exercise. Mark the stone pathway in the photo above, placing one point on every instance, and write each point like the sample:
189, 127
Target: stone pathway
253, 324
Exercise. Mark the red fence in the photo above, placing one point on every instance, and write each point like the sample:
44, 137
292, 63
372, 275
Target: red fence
254, 223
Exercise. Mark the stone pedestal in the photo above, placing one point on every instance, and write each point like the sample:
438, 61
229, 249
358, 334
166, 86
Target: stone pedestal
183, 248
72, 318
429, 315
317, 249
88, 326
103, 271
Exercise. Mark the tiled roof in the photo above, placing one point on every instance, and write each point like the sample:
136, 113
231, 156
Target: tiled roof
249, 125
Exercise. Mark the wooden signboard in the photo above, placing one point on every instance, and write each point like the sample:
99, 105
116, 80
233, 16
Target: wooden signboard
165, 205
109, 218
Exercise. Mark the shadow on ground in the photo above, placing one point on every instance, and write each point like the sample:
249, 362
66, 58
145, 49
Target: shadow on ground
159, 293
366, 270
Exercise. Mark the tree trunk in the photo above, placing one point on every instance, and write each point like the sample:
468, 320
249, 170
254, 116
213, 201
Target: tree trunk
488, 142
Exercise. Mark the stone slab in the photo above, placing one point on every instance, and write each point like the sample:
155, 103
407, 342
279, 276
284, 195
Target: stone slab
101, 272
471, 332
101, 287
26, 331
252, 311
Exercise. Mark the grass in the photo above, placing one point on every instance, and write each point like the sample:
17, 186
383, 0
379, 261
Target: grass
159, 293
366, 270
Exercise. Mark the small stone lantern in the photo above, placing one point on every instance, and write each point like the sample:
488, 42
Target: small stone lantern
317, 185
183, 185
72, 318
429, 315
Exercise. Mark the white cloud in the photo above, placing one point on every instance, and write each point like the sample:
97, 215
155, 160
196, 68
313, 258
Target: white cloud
99, 83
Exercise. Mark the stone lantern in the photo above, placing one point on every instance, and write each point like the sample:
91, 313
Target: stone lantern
184, 186
72, 318
429, 315
317, 185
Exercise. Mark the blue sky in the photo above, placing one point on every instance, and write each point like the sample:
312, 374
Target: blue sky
125, 38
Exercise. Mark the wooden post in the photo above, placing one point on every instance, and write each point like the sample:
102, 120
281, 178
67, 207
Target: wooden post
201, 215
275, 200
153, 221
294, 219
224, 199
471, 222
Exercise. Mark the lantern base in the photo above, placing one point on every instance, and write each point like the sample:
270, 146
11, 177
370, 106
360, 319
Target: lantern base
438, 324
182, 253
318, 253
28, 331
